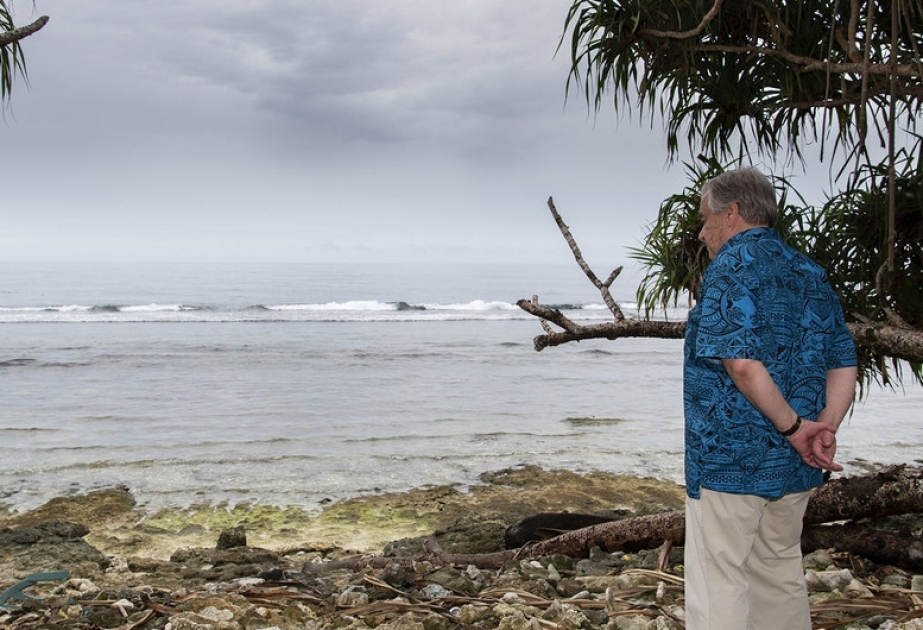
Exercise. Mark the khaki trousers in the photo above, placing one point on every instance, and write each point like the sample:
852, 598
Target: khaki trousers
743, 563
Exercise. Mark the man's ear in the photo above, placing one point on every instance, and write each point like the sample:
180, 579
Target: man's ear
733, 214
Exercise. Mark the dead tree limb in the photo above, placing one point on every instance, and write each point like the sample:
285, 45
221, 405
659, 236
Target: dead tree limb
16, 34
895, 341
602, 286
482, 560
605, 330
629, 534
900, 343
433, 554
894, 491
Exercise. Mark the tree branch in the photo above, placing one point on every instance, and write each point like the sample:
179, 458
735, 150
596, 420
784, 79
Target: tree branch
905, 91
852, 49
10, 37
606, 330
602, 286
687, 34
810, 64
893, 341
899, 340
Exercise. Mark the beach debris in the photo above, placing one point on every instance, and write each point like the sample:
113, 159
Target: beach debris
540, 593
450, 578
17, 591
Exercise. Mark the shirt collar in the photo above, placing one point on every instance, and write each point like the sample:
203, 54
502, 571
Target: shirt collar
750, 235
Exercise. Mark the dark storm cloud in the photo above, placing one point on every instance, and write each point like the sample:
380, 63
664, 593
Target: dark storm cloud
292, 130
386, 72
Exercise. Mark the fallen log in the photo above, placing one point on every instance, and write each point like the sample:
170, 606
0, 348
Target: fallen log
629, 534
893, 491
900, 549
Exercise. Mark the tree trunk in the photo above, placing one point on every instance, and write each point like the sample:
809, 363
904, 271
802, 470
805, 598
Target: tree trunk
895, 490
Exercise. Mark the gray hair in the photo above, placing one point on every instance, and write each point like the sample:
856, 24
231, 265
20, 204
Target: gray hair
754, 194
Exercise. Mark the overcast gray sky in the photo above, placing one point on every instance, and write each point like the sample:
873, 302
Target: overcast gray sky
315, 130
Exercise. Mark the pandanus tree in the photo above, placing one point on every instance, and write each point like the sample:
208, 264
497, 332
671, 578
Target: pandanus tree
831, 84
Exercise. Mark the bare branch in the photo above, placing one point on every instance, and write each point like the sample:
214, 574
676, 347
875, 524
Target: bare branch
905, 91
550, 315
9, 37
894, 341
605, 330
602, 286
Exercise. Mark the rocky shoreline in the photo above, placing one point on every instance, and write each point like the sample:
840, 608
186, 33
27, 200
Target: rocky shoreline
246, 567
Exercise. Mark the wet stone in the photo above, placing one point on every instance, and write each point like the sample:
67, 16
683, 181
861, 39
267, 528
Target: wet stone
232, 537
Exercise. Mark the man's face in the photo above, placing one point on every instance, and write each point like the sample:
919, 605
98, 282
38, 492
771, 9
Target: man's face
715, 231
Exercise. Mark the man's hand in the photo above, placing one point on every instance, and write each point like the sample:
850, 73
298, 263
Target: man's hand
824, 449
815, 442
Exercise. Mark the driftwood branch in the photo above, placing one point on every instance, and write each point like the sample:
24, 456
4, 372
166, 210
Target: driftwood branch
494, 560
897, 341
12, 36
630, 534
893, 490
433, 554
602, 286
604, 330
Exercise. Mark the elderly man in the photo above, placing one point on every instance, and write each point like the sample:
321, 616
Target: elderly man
769, 374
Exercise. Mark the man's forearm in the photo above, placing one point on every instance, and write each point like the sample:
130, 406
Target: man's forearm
754, 381
841, 391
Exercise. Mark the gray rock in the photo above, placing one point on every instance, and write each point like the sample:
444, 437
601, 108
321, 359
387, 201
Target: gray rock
232, 537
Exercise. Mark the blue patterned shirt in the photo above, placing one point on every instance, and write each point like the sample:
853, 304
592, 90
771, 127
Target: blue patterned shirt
760, 299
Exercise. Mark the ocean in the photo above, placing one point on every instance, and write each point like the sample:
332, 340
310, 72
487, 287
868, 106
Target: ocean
297, 384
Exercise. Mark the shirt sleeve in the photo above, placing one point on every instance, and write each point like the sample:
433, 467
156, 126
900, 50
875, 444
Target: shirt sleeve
730, 318
842, 350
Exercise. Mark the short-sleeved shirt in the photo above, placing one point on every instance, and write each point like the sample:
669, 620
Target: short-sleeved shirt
760, 299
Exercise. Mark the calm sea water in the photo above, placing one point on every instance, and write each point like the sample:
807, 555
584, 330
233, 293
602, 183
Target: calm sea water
291, 384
